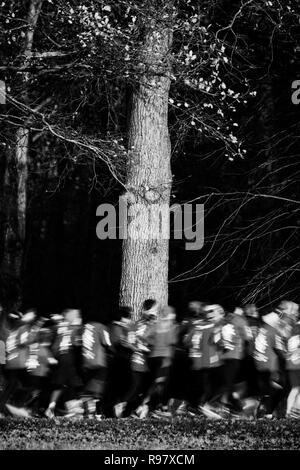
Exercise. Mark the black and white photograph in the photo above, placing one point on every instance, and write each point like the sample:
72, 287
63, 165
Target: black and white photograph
149, 227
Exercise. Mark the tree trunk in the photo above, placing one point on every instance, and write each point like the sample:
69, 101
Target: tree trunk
145, 253
15, 183
16, 171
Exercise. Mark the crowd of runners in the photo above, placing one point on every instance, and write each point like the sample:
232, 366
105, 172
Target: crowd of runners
238, 364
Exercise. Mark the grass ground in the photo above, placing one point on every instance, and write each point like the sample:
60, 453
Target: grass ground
130, 434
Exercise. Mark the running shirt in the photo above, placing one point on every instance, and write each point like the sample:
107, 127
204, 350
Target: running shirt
122, 337
3, 337
40, 356
235, 332
165, 339
293, 349
95, 341
3, 334
17, 348
202, 350
63, 339
144, 337
254, 324
28, 348
268, 348
2, 353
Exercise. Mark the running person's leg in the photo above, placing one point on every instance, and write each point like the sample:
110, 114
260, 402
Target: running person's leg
94, 390
137, 388
231, 370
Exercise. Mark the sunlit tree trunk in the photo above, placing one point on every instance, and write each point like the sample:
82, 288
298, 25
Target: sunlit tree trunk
146, 249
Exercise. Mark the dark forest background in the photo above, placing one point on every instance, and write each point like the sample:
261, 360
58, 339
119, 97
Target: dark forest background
252, 215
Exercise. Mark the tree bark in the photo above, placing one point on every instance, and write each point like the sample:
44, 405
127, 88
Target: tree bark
16, 171
15, 185
145, 253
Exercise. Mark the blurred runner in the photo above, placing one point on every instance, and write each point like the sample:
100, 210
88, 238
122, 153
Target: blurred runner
205, 359
95, 344
293, 368
122, 338
269, 351
160, 359
65, 374
144, 336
